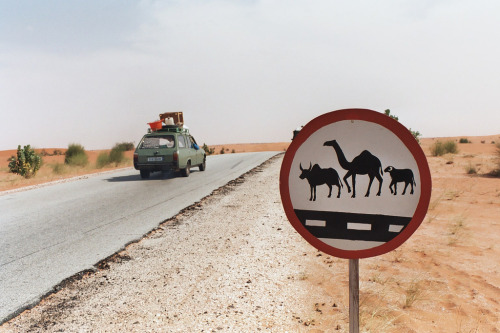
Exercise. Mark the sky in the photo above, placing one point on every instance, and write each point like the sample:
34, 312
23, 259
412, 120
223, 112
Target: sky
95, 72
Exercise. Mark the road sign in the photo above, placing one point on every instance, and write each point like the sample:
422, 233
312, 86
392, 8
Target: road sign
355, 183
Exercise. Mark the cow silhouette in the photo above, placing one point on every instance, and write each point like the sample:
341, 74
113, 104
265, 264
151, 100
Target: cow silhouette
400, 176
315, 175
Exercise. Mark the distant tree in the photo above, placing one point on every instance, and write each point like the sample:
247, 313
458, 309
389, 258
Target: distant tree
27, 162
388, 113
416, 134
222, 151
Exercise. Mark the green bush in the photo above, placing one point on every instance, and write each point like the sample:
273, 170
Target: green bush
439, 148
116, 155
416, 134
125, 146
76, 155
102, 160
208, 150
27, 162
80, 160
464, 140
450, 147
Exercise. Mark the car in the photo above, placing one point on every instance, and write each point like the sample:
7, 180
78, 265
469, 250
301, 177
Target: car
170, 148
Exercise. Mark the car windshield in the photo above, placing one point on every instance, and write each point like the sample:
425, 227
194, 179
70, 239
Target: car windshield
155, 142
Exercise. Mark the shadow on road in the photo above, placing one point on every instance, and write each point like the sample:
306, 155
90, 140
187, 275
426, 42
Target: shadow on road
137, 177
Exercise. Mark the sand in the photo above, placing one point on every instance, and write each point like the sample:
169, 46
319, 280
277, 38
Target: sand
445, 278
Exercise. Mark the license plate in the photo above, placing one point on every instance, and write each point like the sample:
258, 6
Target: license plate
155, 159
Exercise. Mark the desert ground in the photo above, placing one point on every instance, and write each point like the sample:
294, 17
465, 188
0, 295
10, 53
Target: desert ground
46, 174
445, 278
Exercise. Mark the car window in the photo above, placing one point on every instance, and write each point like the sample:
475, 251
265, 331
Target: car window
155, 142
182, 141
193, 142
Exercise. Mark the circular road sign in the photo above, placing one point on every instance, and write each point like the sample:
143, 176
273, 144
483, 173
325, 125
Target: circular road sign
355, 183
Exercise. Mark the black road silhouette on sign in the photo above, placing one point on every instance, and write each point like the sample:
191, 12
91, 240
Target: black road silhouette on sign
352, 226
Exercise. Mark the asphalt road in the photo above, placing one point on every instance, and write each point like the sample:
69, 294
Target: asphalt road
50, 233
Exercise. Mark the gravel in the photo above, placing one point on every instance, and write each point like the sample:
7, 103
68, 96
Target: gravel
229, 263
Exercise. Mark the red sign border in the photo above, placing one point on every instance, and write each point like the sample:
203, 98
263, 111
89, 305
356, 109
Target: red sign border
408, 140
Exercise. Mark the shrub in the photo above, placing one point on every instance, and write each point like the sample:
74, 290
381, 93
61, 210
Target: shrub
470, 169
75, 155
413, 294
102, 160
450, 147
125, 146
26, 163
496, 172
116, 154
464, 140
222, 151
80, 160
208, 150
439, 148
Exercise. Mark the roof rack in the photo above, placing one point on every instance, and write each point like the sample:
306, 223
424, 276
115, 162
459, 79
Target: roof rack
173, 128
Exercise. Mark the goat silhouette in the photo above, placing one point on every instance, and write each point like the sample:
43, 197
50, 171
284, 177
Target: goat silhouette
315, 175
400, 176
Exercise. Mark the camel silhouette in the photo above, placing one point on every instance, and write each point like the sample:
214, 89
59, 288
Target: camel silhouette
363, 164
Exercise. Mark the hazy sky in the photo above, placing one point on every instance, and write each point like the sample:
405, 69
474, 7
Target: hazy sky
95, 72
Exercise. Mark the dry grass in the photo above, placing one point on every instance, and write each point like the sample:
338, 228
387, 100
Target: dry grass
413, 293
457, 229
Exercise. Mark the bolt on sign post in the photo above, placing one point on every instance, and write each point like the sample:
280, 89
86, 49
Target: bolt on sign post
355, 184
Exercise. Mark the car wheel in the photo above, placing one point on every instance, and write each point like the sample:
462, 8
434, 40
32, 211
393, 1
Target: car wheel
185, 172
203, 165
145, 174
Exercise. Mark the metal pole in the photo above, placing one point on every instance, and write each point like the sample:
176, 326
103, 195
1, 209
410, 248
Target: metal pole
353, 295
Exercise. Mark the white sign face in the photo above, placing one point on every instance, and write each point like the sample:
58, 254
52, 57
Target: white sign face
353, 185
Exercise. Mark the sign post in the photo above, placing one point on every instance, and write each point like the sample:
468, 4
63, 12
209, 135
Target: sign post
353, 295
339, 187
